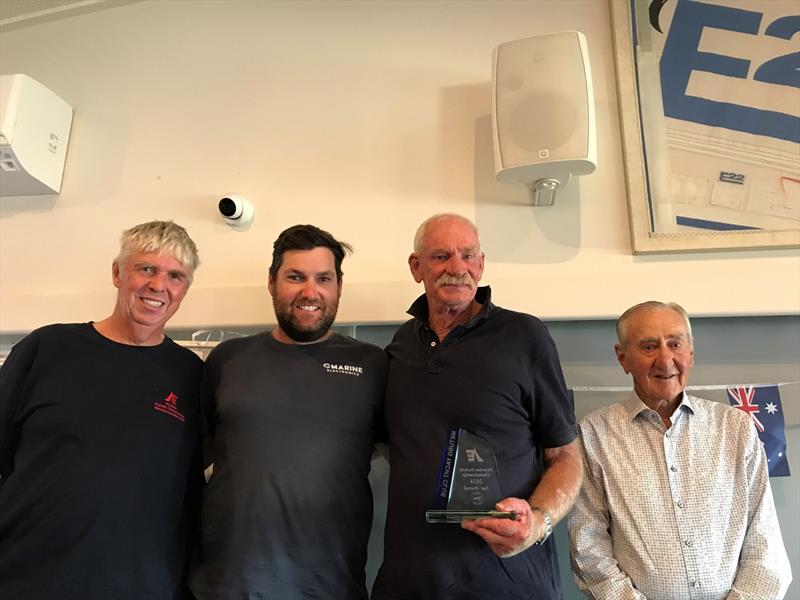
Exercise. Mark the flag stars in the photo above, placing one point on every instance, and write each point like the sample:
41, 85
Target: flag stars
762, 403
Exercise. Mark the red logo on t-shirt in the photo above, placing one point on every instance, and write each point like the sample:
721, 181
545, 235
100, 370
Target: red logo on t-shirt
169, 406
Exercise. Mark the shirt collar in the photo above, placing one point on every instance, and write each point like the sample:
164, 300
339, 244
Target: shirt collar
634, 406
483, 296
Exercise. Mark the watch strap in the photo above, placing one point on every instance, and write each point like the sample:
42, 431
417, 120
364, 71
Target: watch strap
548, 525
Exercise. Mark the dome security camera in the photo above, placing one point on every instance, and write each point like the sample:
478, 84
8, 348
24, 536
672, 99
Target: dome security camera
236, 210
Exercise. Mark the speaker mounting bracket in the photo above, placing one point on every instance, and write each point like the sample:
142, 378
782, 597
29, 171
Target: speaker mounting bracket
543, 191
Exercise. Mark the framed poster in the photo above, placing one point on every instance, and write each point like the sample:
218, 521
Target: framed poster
709, 96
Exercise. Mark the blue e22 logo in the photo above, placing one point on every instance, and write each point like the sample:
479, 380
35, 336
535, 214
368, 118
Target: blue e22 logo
681, 56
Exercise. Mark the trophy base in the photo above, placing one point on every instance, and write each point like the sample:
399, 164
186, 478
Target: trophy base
456, 516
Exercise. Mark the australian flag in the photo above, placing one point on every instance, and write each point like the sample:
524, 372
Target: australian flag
763, 405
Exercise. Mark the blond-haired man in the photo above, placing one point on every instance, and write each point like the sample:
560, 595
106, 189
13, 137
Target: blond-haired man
99, 436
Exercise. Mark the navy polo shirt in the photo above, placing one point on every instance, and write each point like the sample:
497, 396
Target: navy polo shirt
499, 377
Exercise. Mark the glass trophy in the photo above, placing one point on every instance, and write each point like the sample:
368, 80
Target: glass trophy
468, 486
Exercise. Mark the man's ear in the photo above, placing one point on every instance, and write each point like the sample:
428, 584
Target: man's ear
480, 271
413, 264
621, 357
271, 285
116, 275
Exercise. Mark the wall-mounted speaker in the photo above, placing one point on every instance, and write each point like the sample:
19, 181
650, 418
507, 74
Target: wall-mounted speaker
543, 117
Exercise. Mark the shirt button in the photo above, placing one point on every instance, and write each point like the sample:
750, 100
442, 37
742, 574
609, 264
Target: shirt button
688, 544
674, 469
433, 344
695, 584
680, 504
668, 434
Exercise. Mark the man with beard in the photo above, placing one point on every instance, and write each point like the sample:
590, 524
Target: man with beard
291, 418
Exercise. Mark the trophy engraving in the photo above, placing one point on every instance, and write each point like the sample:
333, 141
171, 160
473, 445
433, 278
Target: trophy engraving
468, 486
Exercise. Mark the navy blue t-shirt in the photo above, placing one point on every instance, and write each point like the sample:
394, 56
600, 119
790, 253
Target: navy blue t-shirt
291, 429
99, 467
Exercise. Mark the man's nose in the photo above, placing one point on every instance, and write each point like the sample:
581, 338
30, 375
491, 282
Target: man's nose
456, 264
158, 281
309, 289
664, 356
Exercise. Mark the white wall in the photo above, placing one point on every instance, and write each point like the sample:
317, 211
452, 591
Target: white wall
361, 117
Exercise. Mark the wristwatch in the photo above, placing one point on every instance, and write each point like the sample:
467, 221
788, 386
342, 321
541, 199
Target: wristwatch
548, 525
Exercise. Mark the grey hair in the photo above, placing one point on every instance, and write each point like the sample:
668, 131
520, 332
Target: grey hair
159, 237
423, 228
652, 305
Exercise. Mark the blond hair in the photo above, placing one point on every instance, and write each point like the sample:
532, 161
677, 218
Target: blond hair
159, 237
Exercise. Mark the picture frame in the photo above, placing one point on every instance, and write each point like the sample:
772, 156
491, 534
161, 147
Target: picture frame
644, 239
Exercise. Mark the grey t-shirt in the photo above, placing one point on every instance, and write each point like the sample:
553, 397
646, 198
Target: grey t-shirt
288, 509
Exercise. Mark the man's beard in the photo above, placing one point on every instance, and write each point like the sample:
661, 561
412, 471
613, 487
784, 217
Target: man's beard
304, 335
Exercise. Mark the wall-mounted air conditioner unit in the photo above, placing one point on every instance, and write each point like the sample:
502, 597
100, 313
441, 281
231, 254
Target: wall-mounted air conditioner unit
34, 132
